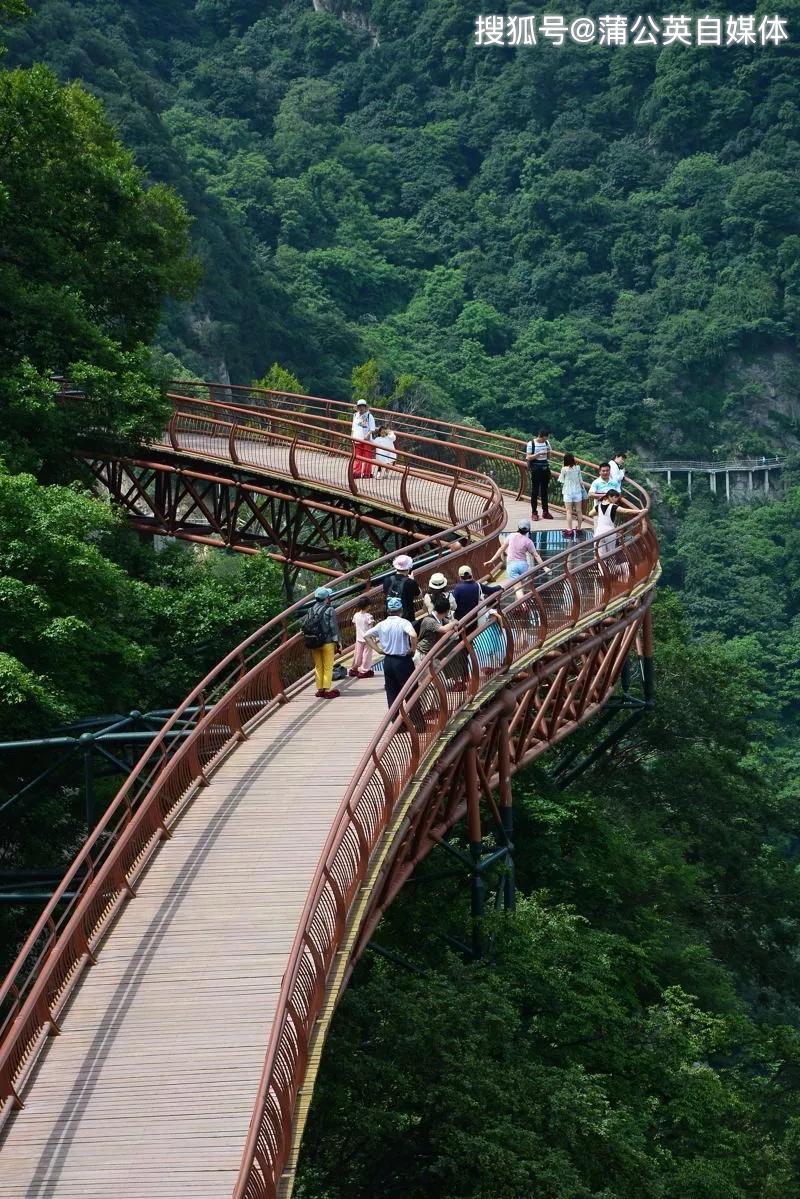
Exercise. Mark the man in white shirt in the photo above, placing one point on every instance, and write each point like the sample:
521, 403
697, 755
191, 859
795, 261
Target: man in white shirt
617, 468
395, 638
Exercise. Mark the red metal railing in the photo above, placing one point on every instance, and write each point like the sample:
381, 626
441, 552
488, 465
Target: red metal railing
498, 457
258, 675
415, 485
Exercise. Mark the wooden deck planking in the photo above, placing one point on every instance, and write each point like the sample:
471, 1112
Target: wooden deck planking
148, 1091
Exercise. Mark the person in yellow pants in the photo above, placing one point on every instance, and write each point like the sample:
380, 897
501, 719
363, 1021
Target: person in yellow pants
321, 635
323, 667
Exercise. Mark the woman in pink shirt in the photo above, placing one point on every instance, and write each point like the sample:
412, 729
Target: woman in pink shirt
516, 549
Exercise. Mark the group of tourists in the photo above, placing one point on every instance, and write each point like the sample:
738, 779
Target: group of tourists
374, 444
402, 638
605, 492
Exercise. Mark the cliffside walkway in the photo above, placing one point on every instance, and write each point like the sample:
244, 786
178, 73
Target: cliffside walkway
165, 1020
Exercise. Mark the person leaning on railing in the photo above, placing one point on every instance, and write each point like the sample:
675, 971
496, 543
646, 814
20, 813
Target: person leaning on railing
515, 550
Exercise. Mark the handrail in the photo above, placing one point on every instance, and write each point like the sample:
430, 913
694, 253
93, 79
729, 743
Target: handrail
456, 433
679, 464
507, 469
441, 491
445, 682
279, 636
250, 683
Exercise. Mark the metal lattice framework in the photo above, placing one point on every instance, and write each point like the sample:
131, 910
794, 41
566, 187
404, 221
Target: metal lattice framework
519, 675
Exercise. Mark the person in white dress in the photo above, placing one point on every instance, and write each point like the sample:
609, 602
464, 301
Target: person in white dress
385, 453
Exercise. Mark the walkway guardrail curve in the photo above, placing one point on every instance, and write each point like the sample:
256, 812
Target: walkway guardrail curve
260, 676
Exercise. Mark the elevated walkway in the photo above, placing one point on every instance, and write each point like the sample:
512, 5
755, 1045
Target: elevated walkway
166, 1044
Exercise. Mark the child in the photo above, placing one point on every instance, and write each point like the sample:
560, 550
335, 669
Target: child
385, 453
362, 658
573, 493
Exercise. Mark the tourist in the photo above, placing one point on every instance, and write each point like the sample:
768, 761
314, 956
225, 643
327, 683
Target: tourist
434, 625
490, 643
363, 620
608, 505
395, 638
438, 585
385, 454
467, 594
362, 433
573, 494
402, 585
602, 483
617, 469
537, 453
321, 634
516, 550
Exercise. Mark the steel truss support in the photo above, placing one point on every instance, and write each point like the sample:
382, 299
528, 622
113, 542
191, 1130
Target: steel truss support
93, 749
532, 710
572, 765
231, 509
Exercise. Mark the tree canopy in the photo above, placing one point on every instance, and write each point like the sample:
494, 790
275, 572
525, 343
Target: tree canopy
604, 241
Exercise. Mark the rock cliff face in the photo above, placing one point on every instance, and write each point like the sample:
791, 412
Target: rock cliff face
765, 394
349, 16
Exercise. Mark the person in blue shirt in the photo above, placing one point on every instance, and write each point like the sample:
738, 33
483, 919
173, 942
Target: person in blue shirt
602, 483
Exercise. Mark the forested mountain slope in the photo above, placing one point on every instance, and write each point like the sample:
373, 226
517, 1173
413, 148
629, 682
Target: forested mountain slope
607, 241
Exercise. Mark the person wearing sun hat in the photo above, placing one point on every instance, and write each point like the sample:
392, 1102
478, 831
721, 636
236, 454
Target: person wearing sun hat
321, 634
395, 638
402, 585
438, 585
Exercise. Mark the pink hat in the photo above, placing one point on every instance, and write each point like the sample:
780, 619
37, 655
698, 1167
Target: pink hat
403, 562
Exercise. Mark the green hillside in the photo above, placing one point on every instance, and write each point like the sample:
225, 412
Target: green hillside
606, 241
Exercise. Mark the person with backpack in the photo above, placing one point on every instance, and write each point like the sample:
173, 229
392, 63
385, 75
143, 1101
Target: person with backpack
396, 639
537, 454
400, 585
321, 634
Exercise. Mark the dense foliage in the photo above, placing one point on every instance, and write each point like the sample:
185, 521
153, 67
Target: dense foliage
89, 617
605, 241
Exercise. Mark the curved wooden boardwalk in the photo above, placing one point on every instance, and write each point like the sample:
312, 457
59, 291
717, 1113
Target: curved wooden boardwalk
148, 1090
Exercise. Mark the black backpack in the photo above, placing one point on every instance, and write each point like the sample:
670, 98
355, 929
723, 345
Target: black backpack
395, 587
313, 627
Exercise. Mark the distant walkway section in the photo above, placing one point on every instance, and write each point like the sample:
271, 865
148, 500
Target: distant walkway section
755, 470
